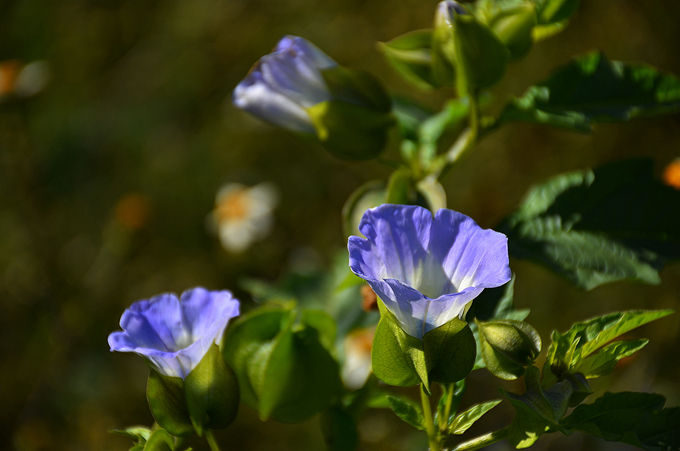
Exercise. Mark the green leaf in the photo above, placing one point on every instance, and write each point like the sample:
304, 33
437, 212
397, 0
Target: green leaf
284, 369
411, 56
637, 419
568, 350
160, 440
466, 419
139, 433
450, 352
324, 324
212, 393
397, 358
593, 89
553, 16
433, 192
301, 378
538, 410
247, 345
339, 431
407, 411
513, 24
595, 227
168, 404
604, 361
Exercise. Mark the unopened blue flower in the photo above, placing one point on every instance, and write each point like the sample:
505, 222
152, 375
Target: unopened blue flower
174, 334
284, 83
427, 270
447, 10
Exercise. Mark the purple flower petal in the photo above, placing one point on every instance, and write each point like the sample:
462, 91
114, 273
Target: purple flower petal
427, 270
284, 83
174, 334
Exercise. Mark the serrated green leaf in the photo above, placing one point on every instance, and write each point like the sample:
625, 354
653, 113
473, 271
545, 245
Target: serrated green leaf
407, 411
604, 361
638, 419
538, 410
168, 404
396, 357
160, 440
594, 89
450, 351
595, 227
567, 350
466, 419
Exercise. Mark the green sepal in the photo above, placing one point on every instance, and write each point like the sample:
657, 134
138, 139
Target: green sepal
480, 57
138, 433
508, 346
455, 392
212, 393
513, 27
411, 56
450, 352
168, 404
160, 440
350, 131
397, 357
282, 363
357, 87
408, 411
538, 410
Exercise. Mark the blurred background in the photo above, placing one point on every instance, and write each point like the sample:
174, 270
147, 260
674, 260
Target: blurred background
117, 132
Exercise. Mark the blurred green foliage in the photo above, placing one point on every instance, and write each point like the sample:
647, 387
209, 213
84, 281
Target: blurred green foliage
108, 174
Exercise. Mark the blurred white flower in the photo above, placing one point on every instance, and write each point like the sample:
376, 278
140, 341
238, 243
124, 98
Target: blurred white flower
23, 80
357, 365
243, 214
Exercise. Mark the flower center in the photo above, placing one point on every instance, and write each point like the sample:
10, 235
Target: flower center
233, 206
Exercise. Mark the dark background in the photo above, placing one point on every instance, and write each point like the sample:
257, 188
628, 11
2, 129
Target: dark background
107, 176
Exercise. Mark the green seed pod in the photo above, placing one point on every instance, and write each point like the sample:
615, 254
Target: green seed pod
508, 346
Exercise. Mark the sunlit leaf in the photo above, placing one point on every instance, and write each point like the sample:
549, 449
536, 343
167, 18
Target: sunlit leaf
593, 89
407, 411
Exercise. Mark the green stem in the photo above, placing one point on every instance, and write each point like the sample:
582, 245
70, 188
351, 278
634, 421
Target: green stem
465, 141
444, 422
432, 436
211, 441
482, 441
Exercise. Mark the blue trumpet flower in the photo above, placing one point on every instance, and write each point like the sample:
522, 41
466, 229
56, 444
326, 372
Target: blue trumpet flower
427, 270
174, 334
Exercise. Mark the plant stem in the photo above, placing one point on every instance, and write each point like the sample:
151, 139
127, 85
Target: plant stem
444, 422
211, 441
432, 436
482, 441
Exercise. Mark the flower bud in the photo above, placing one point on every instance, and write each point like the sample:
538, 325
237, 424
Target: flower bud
513, 26
508, 346
301, 89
